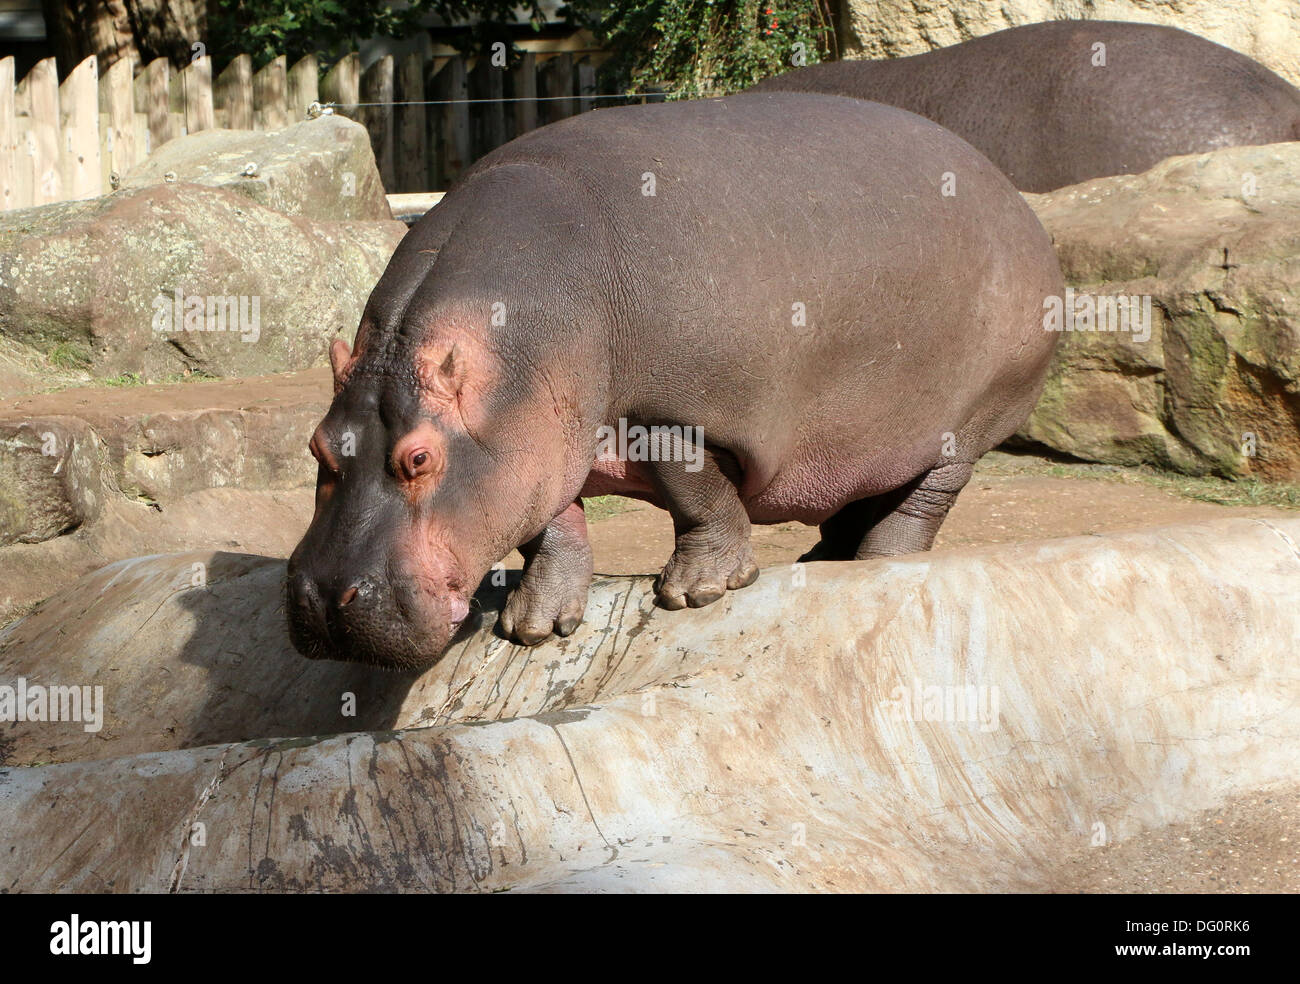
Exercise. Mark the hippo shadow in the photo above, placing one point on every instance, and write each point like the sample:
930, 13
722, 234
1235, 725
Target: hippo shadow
256, 684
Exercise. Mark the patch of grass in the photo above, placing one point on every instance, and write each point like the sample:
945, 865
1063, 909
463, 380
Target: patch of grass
1222, 491
66, 355
128, 379
1248, 492
135, 379
600, 507
124, 379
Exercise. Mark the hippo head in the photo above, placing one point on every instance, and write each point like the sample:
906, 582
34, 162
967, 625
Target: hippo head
419, 492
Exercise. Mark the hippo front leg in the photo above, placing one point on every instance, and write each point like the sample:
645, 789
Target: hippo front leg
712, 553
552, 596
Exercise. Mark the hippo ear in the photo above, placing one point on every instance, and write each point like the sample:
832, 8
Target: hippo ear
443, 384
448, 368
340, 362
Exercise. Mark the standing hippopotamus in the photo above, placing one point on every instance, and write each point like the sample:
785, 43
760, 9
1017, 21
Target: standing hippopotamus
1050, 108
826, 309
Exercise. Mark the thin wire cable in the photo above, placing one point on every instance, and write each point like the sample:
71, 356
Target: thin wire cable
449, 102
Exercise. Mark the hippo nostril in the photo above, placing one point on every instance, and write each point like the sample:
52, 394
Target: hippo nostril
301, 591
347, 597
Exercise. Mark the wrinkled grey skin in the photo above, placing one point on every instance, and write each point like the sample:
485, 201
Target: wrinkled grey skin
1032, 101
920, 346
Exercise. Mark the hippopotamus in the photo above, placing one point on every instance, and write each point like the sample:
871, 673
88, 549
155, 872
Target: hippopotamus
825, 309
1062, 102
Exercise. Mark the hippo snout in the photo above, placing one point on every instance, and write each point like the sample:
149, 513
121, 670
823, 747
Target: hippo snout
366, 619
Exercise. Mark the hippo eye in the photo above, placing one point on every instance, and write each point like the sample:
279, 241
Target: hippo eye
418, 462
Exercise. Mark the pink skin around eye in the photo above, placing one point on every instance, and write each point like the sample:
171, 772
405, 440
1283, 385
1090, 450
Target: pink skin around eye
418, 453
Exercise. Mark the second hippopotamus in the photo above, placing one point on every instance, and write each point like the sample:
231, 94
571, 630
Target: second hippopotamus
1062, 102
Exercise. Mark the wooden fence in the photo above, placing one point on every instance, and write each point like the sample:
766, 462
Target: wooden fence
428, 118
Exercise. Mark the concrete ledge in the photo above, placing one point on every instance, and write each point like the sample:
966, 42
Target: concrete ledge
933, 723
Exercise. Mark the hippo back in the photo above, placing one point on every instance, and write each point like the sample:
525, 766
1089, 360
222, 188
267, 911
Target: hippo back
790, 249
1062, 102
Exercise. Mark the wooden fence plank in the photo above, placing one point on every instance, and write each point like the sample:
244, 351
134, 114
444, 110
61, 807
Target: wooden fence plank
47, 182
342, 85
412, 145
304, 88
142, 138
487, 82
433, 122
24, 145
586, 85
196, 94
524, 77
270, 90
79, 138
453, 123
233, 92
555, 82
117, 102
155, 89
8, 136
377, 87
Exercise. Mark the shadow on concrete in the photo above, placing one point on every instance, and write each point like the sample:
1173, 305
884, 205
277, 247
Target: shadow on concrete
257, 684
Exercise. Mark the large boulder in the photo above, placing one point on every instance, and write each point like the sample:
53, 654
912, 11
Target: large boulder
933, 723
321, 169
1267, 30
1214, 241
175, 278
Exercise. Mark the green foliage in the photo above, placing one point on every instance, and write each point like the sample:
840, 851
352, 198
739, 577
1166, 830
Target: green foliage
266, 29
688, 48
693, 48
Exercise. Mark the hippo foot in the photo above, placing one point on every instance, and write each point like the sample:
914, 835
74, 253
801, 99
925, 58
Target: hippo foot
531, 615
697, 577
552, 596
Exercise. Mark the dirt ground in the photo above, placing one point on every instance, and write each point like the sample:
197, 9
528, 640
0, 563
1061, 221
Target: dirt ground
1012, 499
1251, 844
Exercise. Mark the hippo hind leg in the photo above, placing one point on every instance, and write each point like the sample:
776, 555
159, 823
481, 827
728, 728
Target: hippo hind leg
908, 519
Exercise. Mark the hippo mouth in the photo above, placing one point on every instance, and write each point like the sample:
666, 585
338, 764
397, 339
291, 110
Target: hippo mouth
380, 625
